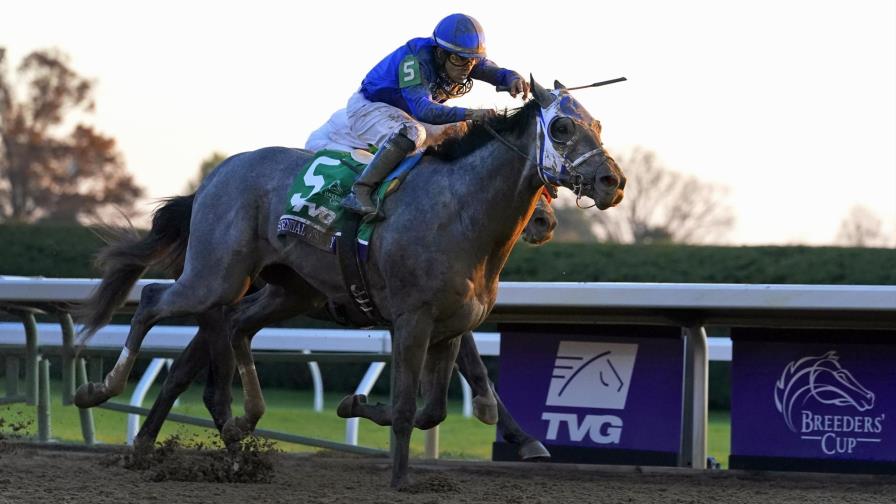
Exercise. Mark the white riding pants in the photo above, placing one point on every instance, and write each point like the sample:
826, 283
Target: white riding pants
363, 122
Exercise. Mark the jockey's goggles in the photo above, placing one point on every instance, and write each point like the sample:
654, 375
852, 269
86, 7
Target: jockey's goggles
459, 61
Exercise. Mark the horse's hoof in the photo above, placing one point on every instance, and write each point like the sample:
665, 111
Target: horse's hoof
143, 445
346, 407
485, 410
400, 483
89, 395
234, 430
533, 451
143, 449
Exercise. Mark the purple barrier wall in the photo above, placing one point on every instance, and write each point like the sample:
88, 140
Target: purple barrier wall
599, 394
813, 400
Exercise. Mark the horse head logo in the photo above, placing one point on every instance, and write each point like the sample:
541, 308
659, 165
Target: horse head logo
820, 378
591, 374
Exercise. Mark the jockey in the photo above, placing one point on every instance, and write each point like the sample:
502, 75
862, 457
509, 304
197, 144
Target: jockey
401, 97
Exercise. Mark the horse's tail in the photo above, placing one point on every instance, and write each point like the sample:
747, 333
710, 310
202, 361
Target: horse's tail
129, 255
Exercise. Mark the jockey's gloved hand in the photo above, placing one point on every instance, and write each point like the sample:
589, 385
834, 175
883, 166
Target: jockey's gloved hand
519, 85
480, 115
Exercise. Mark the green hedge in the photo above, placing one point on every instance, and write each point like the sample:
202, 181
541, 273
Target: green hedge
575, 262
66, 251
60, 251
47, 250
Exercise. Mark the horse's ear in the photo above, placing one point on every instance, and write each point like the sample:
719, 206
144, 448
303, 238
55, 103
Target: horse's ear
557, 85
541, 95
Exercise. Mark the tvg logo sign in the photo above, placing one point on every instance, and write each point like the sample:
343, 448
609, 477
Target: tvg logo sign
602, 429
589, 374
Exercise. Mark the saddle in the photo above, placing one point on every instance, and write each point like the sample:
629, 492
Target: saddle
313, 211
314, 215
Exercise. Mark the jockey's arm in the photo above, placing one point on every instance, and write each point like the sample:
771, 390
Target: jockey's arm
424, 109
487, 71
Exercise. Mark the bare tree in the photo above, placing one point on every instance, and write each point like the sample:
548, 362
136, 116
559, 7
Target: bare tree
861, 228
45, 173
661, 205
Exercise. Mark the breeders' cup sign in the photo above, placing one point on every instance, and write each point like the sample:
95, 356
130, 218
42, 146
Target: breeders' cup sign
813, 400
594, 387
815, 381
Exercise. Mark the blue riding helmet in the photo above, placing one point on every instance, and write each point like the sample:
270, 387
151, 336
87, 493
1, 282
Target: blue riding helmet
462, 35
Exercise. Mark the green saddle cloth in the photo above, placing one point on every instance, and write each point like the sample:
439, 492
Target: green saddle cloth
313, 211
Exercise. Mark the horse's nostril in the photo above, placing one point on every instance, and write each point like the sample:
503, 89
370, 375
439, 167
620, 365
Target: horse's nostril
622, 184
609, 181
541, 222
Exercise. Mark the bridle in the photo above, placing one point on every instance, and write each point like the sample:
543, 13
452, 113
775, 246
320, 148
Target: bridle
553, 167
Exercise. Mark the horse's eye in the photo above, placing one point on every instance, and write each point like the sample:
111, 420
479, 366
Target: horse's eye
562, 129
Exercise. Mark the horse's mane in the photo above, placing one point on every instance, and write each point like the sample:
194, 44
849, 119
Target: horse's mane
512, 122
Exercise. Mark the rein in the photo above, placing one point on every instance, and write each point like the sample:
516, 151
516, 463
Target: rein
575, 178
504, 141
550, 188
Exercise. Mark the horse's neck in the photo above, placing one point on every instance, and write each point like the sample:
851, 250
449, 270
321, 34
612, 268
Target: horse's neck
501, 190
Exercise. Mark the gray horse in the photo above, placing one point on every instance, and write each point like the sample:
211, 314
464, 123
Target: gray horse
208, 350
433, 264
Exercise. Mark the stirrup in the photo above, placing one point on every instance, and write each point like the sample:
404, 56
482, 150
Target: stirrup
351, 203
375, 215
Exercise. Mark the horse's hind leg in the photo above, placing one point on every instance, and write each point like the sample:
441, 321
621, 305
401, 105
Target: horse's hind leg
189, 295
186, 367
487, 404
217, 395
271, 304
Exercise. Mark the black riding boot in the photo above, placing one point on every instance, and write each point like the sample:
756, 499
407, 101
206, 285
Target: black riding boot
396, 148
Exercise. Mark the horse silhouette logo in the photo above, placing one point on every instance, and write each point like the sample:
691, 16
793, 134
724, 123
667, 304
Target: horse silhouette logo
591, 374
822, 379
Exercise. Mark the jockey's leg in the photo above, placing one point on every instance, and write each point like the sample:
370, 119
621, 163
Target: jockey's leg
396, 133
386, 159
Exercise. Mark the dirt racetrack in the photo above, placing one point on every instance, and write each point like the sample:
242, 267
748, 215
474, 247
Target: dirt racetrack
30, 473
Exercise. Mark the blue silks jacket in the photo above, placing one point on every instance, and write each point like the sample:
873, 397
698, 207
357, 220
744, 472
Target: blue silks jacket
403, 78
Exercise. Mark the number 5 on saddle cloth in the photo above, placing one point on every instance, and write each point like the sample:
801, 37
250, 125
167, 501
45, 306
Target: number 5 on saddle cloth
313, 210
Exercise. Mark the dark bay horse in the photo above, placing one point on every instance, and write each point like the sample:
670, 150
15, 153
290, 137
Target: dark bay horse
209, 351
433, 266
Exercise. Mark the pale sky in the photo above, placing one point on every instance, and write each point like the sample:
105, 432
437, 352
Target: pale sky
791, 104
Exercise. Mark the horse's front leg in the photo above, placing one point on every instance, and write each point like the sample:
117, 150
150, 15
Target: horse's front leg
434, 382
409, 346
470, 365
487, 405
437, 370
356, 405
530, 448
